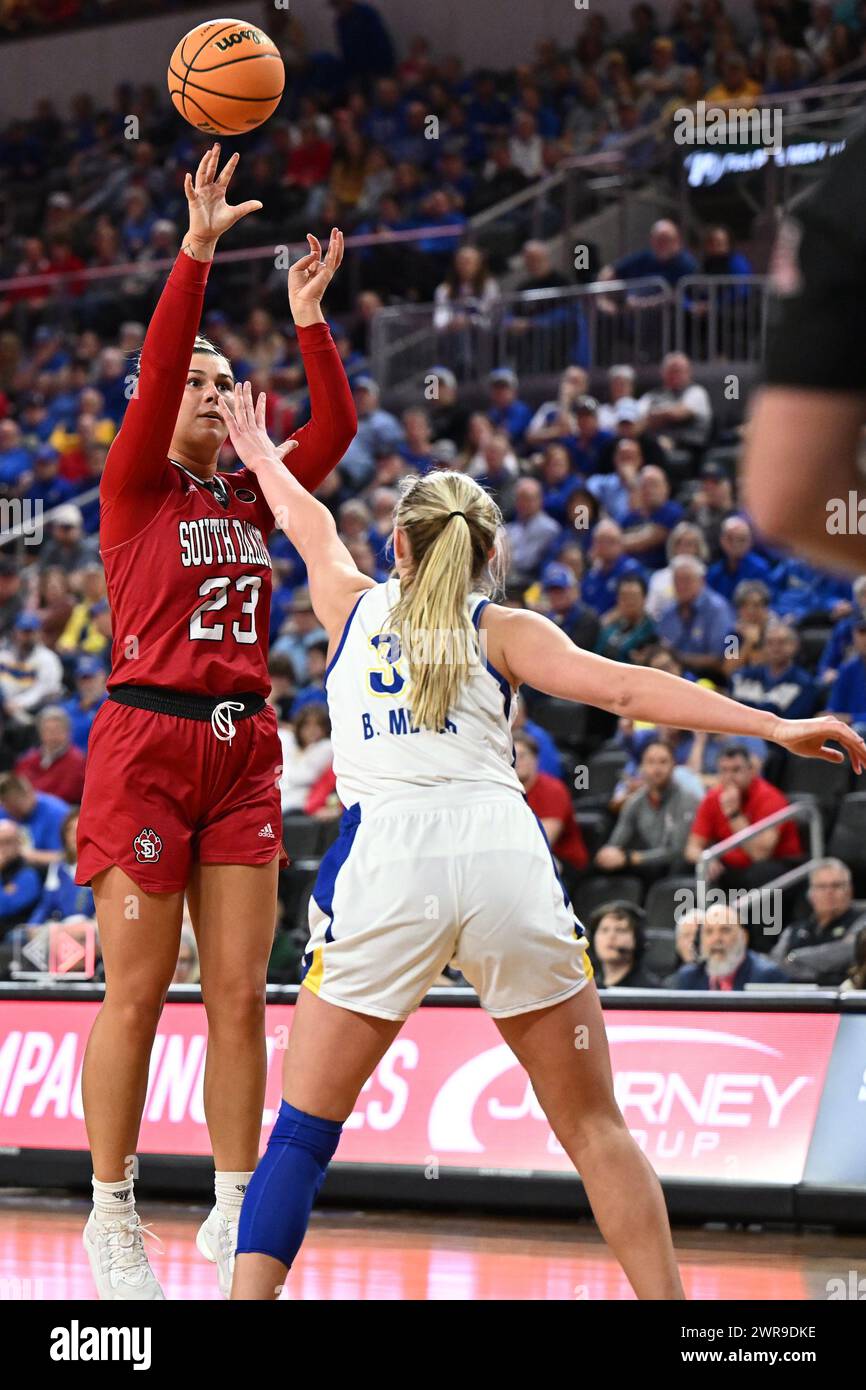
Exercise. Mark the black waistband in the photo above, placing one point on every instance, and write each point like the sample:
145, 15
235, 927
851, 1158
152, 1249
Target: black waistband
181, 703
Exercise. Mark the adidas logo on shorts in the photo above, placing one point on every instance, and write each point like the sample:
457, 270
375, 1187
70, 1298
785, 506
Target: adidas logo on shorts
267, 832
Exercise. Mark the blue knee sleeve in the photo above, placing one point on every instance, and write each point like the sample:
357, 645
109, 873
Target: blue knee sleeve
282, 1190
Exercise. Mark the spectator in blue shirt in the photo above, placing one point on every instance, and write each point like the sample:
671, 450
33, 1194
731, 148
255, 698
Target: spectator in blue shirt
90, 696
738, 561
47, 486
505, 410
590, 444
20, 884
413, 145
557, 478
61, 896
549, 759
299, 628
840, 643
800, 591
486, 110
15, 458
778, 685
366, 47
563, 605
36, 423
719, 256
649, 523
313, 693
665, 257
614, 490
40, 816
378, 432
384, 121
609, 563
439, 210
848, 695
699, 623
416, 447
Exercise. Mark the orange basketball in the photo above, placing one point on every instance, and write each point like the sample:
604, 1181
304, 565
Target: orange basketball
226, 77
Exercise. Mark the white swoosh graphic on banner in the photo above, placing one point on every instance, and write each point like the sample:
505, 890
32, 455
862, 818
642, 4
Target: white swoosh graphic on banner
450, 1124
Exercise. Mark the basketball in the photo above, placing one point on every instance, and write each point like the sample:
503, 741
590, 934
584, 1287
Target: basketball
226, 77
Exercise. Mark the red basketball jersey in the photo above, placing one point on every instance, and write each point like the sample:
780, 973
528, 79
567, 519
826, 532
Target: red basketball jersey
189, 580
190, 595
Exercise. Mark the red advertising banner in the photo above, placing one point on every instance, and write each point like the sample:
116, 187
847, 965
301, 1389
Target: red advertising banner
715, 1096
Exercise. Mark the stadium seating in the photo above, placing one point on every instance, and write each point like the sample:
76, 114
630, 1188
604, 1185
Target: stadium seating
848, 840
660, 956
662, 901
601, 888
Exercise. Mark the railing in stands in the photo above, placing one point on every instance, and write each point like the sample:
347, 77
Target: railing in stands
722, 317
711, 318
798, 811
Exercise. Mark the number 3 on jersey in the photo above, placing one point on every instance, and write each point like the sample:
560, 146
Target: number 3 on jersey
388, 680
243, 632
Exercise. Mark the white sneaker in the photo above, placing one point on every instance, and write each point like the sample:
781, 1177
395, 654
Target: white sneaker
118, 1260
217, 1240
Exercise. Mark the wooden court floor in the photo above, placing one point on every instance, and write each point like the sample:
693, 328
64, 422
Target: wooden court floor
410, 1255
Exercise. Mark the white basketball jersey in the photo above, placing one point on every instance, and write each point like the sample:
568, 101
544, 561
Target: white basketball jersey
377, 749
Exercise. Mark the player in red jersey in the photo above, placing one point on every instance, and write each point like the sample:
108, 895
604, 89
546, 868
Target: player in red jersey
181, 791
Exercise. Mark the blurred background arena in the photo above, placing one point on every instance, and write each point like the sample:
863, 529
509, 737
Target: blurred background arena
550, 285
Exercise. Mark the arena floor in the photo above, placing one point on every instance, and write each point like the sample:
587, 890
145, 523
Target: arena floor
408, 1255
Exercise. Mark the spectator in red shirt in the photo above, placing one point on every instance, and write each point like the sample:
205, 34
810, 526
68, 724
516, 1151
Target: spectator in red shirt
55, 765
309, 163
549, 799
323, 801
62, 264
34, 262
740, 799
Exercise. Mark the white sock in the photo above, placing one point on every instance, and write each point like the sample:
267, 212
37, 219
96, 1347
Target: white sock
113, 1201
229, 1189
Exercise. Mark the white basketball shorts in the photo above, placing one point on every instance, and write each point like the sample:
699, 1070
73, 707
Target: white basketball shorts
447, 876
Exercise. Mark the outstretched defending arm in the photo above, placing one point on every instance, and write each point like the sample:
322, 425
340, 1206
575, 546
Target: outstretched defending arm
534, 650
336, 583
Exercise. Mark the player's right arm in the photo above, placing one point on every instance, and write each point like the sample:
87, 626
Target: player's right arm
335, 581
528, 647
137, 460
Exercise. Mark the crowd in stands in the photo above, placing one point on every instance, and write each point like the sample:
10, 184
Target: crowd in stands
377, 142
621, 510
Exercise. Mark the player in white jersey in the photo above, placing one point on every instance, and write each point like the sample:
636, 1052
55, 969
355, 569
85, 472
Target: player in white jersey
440, 858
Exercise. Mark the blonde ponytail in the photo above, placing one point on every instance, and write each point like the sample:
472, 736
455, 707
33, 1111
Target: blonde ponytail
451, 524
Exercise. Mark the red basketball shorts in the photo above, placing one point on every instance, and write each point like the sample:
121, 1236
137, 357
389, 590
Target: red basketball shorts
162, 792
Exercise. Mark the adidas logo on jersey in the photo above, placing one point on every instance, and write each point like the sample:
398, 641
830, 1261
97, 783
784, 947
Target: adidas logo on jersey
267, 832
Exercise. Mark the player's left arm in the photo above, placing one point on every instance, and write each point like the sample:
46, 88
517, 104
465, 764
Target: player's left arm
326, 436
528, 647
335, 581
